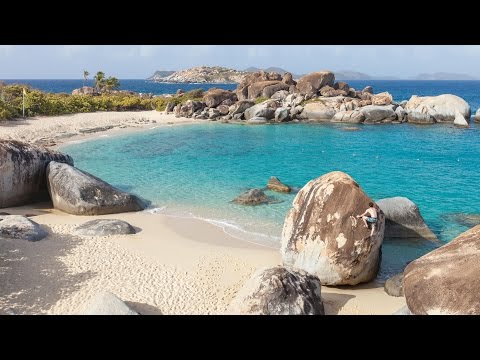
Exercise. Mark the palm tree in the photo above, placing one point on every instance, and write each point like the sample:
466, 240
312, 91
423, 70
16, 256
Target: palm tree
85, 76
99, 80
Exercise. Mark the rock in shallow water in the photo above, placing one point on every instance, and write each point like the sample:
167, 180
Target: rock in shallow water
104, 227
322, 235
22, 175
106, 303
446, 280
20, 227
275, 184
279, 291
394, 285
79, 193
252, 197
403, 220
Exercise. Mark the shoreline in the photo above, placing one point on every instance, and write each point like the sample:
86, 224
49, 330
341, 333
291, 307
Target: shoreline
172, 265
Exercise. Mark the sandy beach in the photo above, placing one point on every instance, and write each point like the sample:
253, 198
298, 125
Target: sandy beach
171, 266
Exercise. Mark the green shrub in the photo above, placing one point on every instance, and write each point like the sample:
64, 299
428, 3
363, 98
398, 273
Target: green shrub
260, 99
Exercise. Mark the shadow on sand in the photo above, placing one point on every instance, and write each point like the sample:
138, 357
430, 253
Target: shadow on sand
33, 276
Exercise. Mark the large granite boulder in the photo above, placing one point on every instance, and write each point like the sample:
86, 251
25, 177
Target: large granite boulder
240, 107
252, 197
394, 285
22, 175
20, 227
318, 111
214, 97
383, 98
189, 108
288, 79
322, 235
279, 291
441, 108
256, 89
106, 303
275, 184
265, 109
311, 83
282, 114
268, 91
79, 193
104, 227
403, 220
378, 114
350, 116
242, 90
401, 114
341, 85
446, 280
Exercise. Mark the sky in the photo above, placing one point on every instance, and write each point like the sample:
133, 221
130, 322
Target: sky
141, 61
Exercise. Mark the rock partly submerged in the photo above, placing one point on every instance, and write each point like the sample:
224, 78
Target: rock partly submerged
23, 167
20, 227
279, 291
253, 197
104, 227
106, 303
322, 235
79, 193
441, 108
275, 184
403, 220
446, 280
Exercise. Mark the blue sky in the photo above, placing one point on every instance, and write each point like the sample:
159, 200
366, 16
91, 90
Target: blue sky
140, 61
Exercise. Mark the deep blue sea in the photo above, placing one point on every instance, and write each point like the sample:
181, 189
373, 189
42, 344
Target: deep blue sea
196, 170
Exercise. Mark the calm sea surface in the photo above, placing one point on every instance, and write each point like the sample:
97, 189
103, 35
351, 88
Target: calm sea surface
195, 170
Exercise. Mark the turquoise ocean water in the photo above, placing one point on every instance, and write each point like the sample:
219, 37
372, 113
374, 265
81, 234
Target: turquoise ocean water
196, 170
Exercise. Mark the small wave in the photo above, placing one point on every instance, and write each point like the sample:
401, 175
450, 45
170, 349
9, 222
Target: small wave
228, 228
156, 210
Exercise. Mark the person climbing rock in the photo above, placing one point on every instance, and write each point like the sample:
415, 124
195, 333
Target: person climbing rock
369, 217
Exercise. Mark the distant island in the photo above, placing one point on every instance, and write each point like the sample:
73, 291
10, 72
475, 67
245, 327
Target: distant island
223, 75
200, 74
444, 76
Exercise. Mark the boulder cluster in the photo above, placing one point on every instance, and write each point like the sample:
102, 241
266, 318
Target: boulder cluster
268, 97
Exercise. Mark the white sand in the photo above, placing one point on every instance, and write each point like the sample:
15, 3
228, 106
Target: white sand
55, 130
172, 266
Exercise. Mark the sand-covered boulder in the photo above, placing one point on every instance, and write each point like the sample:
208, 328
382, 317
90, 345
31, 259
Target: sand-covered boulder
394, 285
403, 220
214, 97
265, 109
322, 235
441, 108
252, 197
79, 193
446, 280
106, 303
20, 227
104, 227
378, 114
22, 172
311, 83
275, 184
349, 116
279, 291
